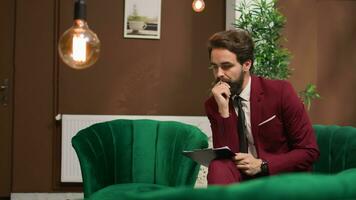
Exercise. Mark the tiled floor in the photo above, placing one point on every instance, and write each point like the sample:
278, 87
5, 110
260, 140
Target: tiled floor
201, 180
47, 196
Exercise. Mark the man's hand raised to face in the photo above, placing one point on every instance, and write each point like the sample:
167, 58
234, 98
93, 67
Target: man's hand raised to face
221, 93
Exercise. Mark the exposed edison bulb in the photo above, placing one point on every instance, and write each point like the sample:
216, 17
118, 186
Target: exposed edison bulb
79, 47
198, 5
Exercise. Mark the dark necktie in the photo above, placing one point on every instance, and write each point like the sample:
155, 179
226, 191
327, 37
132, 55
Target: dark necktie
241, 125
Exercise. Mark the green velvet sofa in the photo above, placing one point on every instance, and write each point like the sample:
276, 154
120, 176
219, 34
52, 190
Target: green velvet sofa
334, 177
299, 186
129, 152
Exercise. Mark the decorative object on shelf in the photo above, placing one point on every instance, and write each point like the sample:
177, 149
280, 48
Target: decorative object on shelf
265, 23
198, 5
79, 47
142, 19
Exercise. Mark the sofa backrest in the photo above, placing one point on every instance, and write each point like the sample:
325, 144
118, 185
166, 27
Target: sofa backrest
337, 145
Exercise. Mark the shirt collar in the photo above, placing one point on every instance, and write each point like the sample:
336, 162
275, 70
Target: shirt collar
246, 92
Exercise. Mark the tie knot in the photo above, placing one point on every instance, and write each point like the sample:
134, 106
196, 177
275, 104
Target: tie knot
237, 100
238, 97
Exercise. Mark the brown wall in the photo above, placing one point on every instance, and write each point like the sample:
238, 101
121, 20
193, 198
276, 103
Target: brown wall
322, 39
159, 77
136, 76
337, 63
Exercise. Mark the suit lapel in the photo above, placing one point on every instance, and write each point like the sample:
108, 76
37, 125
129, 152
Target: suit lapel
256, 100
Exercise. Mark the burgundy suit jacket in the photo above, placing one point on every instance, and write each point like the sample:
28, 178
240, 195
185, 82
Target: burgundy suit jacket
287, 142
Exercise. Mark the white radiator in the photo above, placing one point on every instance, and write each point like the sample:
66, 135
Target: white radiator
71, 124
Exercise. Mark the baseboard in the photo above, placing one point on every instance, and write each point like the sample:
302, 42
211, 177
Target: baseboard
47, 196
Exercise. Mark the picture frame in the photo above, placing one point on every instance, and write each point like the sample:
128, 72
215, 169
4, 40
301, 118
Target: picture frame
142, 19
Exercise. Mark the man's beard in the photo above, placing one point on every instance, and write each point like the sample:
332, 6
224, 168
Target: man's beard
235, 86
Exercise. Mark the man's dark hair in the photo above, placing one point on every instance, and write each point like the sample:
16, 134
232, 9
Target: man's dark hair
237, 41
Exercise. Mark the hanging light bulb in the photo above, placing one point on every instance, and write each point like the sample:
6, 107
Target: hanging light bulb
198, 5
79, 47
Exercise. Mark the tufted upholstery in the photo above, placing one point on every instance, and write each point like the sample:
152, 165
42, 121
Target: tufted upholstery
337, 145
137, 151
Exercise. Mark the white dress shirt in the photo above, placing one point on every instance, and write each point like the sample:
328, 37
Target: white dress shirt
245, 95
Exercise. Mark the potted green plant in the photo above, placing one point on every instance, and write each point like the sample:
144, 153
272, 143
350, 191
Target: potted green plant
265, 23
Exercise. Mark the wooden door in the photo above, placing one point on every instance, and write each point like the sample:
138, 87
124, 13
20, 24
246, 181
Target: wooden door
7, 12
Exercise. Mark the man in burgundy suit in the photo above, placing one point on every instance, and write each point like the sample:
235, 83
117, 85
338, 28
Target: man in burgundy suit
273, 134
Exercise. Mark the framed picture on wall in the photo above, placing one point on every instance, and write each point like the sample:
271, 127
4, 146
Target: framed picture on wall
142, 19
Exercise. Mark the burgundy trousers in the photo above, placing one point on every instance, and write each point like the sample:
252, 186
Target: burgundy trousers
222, 172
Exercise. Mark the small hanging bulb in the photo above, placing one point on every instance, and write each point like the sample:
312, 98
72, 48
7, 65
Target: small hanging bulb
79, 47
198, 5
